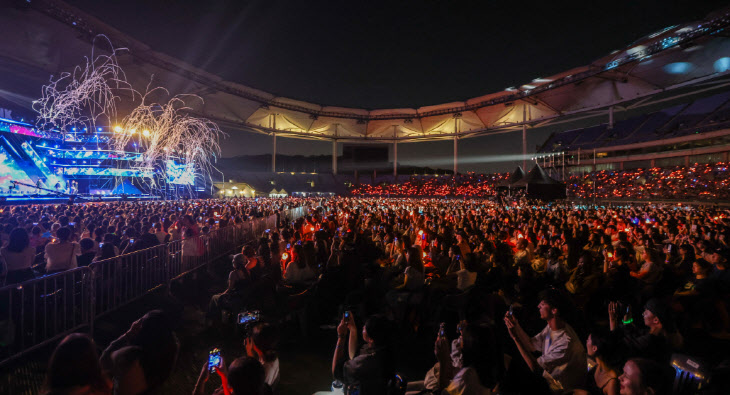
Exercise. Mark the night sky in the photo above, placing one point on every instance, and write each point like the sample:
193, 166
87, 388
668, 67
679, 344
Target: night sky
371, 54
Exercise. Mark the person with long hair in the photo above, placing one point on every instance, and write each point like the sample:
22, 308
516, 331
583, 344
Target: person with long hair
239, 286
106, 251
602, 379
262, 345
61, 254
476, 371
298, 272
683, 269
253, 263
74, 369
18, 256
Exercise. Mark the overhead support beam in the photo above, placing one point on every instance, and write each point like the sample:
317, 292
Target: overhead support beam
524, 138
273, 155
533, 100
456, 156
334, 153
273, 152
395, 151
456, 146
610, 117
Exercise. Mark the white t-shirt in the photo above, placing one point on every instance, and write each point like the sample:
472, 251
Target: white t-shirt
465, 279
18, 260
466, 382
271, 370
161, 236
294, 274
563, 355
62, 256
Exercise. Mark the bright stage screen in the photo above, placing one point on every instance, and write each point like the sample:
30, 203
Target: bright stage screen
9, 170
180, 174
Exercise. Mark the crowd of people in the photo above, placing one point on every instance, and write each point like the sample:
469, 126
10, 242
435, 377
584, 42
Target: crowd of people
472, 185
708, 182
521, 298
44, 239
698, 182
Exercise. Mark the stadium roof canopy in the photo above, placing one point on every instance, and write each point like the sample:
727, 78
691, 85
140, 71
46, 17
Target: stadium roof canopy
48, 36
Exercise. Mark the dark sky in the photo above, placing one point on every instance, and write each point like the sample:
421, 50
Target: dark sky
371, 54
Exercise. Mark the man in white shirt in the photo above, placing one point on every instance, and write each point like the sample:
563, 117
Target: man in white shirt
563, 359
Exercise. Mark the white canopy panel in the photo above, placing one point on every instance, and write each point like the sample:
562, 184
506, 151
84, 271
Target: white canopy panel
51, 36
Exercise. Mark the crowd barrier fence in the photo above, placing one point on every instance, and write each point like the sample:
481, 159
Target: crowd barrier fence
40, 311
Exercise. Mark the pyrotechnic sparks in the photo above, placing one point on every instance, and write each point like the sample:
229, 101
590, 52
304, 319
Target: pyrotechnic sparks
84, 95
164, 132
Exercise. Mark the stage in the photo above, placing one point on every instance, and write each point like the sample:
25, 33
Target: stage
20, 200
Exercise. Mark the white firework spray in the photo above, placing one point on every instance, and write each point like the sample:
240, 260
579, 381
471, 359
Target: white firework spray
83, 96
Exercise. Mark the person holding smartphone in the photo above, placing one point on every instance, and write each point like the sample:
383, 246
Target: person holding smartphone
262, 346
245, 375
373, 366
239, 285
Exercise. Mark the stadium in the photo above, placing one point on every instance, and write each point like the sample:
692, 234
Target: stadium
604, 251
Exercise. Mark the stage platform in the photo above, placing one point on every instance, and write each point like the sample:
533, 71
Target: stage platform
16, 200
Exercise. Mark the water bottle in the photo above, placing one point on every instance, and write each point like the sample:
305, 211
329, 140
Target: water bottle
337, 387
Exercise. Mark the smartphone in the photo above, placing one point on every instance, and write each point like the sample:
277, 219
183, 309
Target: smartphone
669, 248
288, 246
511, 311
131, 241
214, 360
268, 230
442, 330
35, 223
72, 224
244, 318
101, 245
347, 315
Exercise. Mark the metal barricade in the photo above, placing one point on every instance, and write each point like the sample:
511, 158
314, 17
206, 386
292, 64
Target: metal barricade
42, 310
125, 278
37, 312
